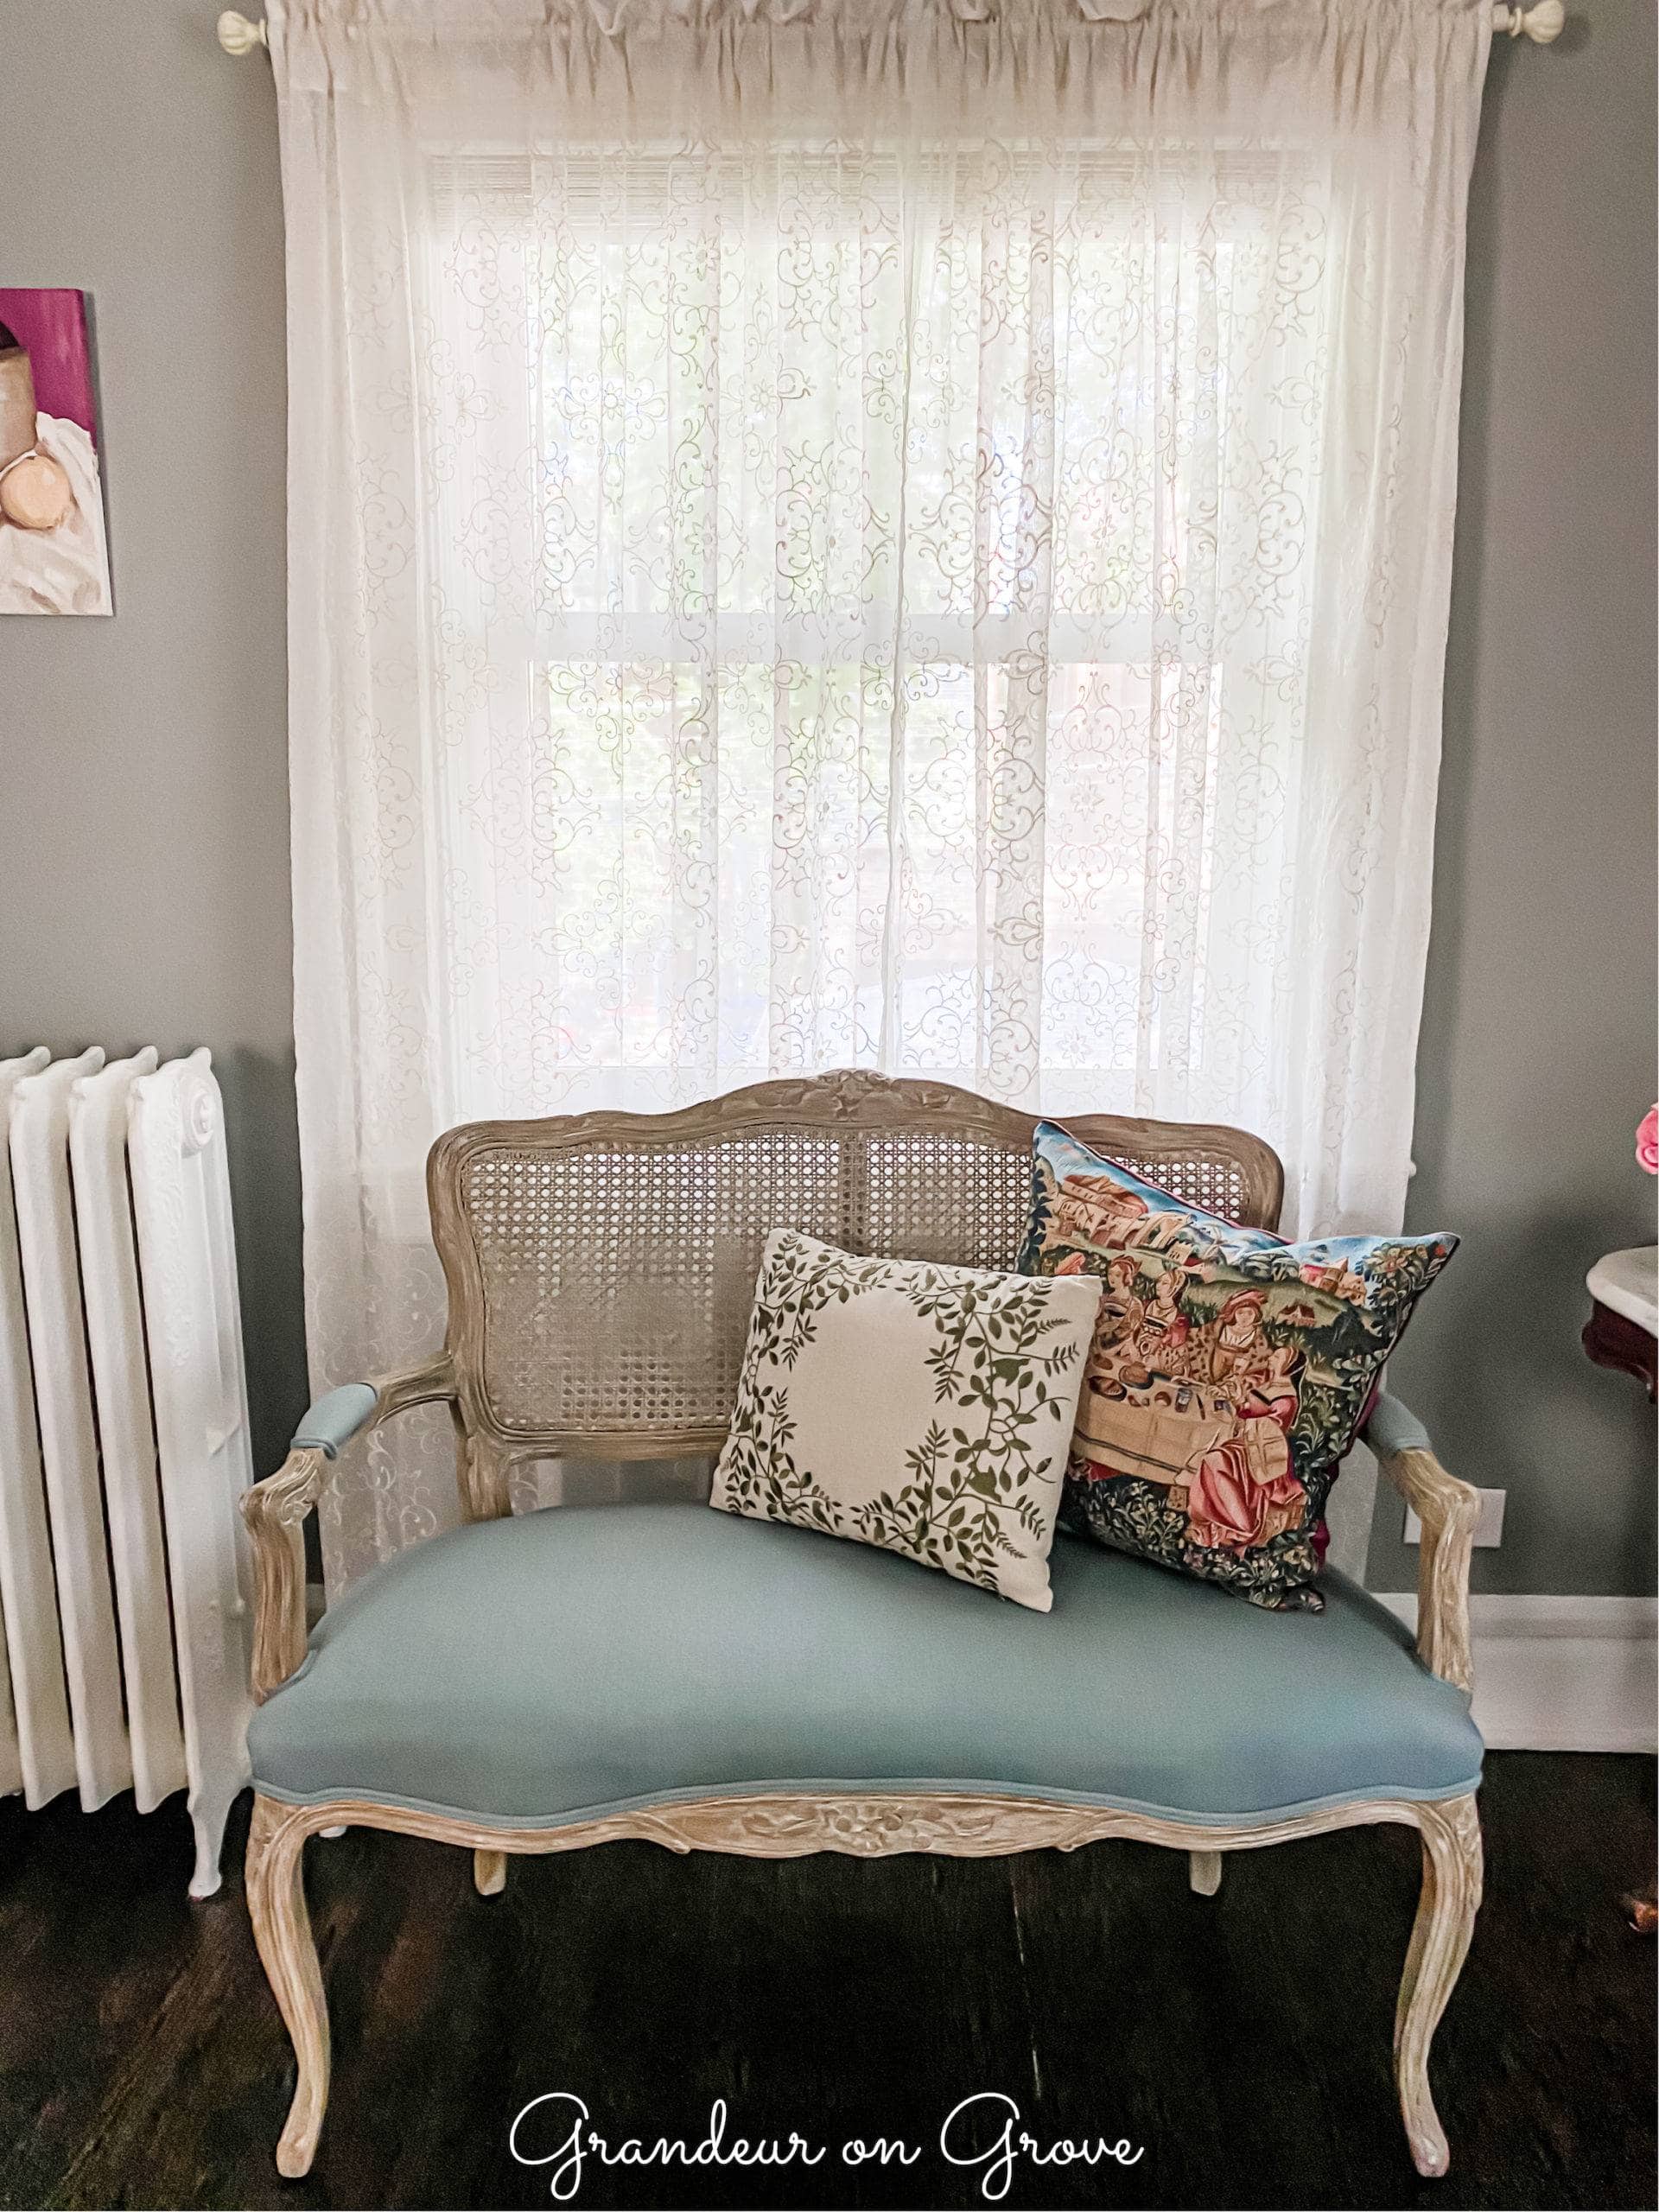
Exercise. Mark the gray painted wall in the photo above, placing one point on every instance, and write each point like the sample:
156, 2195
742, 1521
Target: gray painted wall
1537, 1051
143, 760
143, 807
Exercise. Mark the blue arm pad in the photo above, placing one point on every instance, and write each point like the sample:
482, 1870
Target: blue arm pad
1394, 1427
334, 1420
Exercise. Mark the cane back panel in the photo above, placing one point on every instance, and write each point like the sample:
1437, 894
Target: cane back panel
602, 1266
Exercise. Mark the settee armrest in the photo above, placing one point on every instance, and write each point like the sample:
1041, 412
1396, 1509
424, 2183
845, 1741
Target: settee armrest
275, 1510
1448, 1510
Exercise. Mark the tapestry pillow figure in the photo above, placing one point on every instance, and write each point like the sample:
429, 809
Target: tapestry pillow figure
925, 1409
1230, 1372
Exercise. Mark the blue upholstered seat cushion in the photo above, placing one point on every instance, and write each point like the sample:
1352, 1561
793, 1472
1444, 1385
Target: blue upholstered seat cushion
582, 1659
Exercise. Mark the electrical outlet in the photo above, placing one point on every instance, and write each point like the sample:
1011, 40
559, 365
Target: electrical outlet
1489, 1529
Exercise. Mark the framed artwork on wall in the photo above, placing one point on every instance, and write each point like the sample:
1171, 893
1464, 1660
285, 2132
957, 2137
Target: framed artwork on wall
53, 548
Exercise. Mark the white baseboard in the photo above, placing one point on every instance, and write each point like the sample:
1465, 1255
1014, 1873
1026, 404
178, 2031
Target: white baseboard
1562, 1673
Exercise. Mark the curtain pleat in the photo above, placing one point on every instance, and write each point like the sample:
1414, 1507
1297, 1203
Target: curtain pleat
898, 534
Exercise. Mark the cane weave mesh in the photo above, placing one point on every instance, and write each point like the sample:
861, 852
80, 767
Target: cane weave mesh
603, 1268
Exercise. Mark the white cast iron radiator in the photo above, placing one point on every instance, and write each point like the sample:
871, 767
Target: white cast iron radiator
123, 1441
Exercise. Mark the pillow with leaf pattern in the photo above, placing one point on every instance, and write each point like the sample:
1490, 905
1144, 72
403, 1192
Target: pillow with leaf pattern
923, 1408
1230, 1372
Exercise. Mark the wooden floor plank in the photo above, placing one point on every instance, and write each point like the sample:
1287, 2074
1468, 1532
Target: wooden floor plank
1243, 2040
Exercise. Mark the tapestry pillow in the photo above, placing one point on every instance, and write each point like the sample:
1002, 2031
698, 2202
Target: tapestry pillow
1230, 1372
923, 1408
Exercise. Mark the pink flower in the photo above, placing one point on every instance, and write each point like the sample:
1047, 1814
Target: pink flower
1647, 1141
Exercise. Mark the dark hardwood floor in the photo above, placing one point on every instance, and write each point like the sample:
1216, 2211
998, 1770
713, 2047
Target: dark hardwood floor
1242, 2041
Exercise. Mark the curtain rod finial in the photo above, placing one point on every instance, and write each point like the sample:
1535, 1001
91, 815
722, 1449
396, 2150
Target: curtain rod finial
1542, 24
237, 35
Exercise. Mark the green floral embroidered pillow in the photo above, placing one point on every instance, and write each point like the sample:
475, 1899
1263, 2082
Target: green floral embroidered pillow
925, 1409
1230, 1372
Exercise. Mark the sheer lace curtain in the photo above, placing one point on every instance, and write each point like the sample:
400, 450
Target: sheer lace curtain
906, 533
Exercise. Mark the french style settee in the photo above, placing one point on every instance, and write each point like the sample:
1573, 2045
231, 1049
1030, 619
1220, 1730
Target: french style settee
714, 1683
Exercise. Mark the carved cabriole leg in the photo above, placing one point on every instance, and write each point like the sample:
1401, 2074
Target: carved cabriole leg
282, 1929
489, 1873
1205, 1872
874, 1825
1439, 1941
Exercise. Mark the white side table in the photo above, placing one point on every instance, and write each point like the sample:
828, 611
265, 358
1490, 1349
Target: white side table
1622, 1331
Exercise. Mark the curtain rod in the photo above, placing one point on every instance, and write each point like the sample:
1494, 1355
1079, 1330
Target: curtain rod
1542, 24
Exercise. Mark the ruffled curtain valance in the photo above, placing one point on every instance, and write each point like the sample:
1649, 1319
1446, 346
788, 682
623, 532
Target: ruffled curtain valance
462, 22
1096, 65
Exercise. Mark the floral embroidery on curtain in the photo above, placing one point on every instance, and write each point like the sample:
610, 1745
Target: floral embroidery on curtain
883, 536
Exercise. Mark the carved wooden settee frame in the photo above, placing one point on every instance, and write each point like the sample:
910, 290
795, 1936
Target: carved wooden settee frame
1224, 1169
